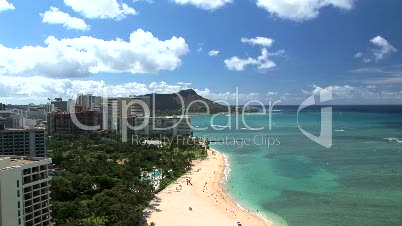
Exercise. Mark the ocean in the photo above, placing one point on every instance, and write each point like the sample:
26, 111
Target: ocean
281, 173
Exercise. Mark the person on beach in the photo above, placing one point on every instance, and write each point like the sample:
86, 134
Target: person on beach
189, 182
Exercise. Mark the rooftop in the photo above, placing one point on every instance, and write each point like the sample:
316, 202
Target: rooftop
16, 161
23, 129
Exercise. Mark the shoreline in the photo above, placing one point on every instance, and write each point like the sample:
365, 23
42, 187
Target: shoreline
222, 185
205, 202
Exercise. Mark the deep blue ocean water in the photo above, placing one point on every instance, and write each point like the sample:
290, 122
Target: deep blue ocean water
281, 173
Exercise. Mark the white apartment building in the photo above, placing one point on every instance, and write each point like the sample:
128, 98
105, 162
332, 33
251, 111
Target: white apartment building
24, 191
115, 109
23, 142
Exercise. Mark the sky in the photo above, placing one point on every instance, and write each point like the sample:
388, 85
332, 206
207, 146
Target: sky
263, 50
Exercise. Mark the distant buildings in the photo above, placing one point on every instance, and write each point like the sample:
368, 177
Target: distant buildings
62, 123
2, 107
24, 191
38, 114
89, 102
48, 107
137, 109
115, 109
108, 114
168, 126
15, 119
88, 111
60, 104
23, 142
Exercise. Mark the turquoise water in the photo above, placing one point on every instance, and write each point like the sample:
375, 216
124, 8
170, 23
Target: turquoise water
291, 179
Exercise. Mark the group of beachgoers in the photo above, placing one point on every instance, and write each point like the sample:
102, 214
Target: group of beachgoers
180, 187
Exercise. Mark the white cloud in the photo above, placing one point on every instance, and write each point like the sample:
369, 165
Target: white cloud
5, 5
78, 57
103, 9
300, 10
385, 81
340, 91
37, 89
204, 4
383, 48
346, 94
213, 53
267, 42
262, 62
358, 55
386, 75
228, 96
163, 87
55, 16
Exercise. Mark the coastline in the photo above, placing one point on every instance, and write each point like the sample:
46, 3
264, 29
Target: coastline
205, 202
225, 172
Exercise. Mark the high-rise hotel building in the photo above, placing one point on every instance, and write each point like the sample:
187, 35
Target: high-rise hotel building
24, 191
23, 142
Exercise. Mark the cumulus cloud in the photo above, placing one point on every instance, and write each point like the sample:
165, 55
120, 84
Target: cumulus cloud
213, 53
263, 41
78, 57
229, 97
204, 4
261, 62
381, 49
163, 87
370, 94
55, 16
37, 88
340, 91
102, 9
301, 10
5, 5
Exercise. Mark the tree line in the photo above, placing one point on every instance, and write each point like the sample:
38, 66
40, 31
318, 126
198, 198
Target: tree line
99, 181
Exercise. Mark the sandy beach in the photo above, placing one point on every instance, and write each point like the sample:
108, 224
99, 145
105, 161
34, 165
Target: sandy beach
202, 203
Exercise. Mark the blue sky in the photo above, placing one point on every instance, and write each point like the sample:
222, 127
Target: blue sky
59, 48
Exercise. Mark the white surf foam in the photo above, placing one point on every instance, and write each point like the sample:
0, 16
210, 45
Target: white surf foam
393, 139
227, 169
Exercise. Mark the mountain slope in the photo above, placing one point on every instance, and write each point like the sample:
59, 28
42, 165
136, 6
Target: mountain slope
172, 104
